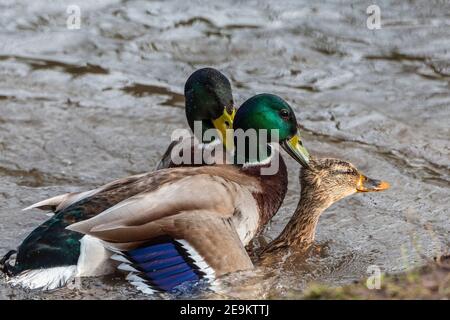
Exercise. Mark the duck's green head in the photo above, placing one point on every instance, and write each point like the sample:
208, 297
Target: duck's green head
209, 99
270, 112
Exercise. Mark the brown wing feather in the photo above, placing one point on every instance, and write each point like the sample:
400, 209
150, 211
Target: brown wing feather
213, 237
196, 205
62, 201
201, 192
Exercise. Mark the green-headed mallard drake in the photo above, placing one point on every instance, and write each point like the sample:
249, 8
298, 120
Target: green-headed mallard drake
172, 225
209, 103
323, 182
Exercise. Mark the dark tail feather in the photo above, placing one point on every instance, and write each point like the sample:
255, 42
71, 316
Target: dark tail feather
5, 267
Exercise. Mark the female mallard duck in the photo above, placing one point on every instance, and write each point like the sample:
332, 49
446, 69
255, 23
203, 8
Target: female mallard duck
209, 102
323, 182
174, 224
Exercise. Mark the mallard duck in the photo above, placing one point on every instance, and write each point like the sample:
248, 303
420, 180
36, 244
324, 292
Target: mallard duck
323, 182
174, 224
209, 102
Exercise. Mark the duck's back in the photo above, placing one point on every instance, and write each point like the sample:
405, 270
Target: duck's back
51, 244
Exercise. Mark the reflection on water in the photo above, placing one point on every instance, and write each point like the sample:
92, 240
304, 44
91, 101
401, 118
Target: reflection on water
79, 108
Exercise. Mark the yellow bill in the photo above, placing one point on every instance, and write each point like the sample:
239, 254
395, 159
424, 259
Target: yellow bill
224, 122
366, 184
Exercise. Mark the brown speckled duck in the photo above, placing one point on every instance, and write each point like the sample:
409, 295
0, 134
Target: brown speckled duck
323, 182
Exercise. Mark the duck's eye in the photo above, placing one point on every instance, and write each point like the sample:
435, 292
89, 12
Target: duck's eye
345, 171
350, 171
284, 113
227, 124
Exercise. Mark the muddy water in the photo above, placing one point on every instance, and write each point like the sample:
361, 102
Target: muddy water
79, 108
